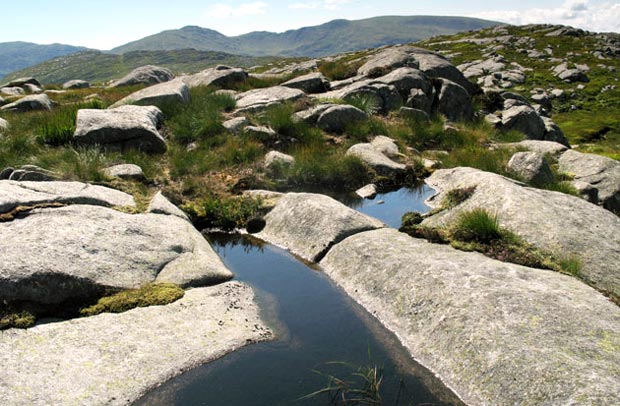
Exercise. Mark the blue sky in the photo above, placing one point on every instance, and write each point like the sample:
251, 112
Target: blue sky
109, 23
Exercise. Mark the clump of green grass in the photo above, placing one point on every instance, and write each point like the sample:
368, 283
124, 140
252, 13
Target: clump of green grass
154, 294
315, 167
477, 225
280, 119
224, 213
479, 157
59, 125
457, 196
367, 103
340, 70
21, 320
362, 387
201, 118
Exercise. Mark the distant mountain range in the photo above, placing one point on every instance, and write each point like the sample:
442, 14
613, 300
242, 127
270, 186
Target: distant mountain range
18, 55
193, 48
327, 39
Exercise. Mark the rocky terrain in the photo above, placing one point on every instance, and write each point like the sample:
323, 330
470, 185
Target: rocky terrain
508, 289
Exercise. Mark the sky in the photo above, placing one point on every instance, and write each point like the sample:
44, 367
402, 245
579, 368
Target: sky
109, 23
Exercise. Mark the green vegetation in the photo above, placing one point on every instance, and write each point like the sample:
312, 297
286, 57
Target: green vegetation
478, 230
154, 294
212, 212
16, 320
362, 387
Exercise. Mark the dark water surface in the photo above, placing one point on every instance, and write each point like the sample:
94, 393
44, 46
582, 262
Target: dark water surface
316, 323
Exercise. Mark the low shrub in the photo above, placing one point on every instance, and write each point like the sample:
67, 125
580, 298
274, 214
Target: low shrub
154, 294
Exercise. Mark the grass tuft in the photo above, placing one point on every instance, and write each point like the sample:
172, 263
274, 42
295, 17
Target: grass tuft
477, 225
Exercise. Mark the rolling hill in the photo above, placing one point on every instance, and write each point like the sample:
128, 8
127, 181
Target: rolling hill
18, 55
321, 40
96, 66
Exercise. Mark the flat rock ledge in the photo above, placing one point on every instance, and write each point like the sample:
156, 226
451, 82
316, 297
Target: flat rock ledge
495, 333
309, 224
555, 222
114, 359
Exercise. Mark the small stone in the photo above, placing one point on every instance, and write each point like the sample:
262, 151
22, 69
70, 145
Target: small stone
125, 171
367, 192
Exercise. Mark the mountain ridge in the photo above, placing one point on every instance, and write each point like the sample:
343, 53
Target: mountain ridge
313, 41
17, 55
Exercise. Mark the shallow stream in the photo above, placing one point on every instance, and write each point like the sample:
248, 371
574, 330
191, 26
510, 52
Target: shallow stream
316, 325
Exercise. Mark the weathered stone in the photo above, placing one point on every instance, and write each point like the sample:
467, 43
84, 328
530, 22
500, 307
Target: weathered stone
311, 83
383, 165
29, 103
542, 147
553, 132
407, 79
147, 75
260, 132
531, 167
524, 119
125, 171
160, 205
367, 192
236, 124
436, 66
5, 174
275, 158
122, 127
22, 81
220, 76
114, 359
77, 252
4, 125
495, 333
34, 89
421, 101
383, 97
12, 91
385, 61
309, 224
32, 173
386, 145
601, 173
14, 194
76, 84
493, 119
260, 99
454, 102
555, 222
337, 117
573, 75
174, 91
482, 67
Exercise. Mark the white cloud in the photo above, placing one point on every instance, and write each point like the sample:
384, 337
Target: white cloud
599, 17
221, 10
325, 5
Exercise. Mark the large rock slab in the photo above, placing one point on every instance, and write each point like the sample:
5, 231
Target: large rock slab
122, 127
28, 194
314, 82
174, 91
337, 117
454, 102
374, 157
29, 103
76, 252
147, 75
555, 222
76, 84
405, 79
309, 224
531, 167
543, 147
384, 97
495, 333
220, 76
385, 61
260, 99
524, 119
20, 82
599, 173
114, 359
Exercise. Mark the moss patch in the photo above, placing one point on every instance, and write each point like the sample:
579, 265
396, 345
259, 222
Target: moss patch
16, 320
149, 295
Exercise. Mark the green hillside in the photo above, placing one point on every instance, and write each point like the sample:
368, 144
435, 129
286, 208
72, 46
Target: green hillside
326, 39
95, 66
18, 55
